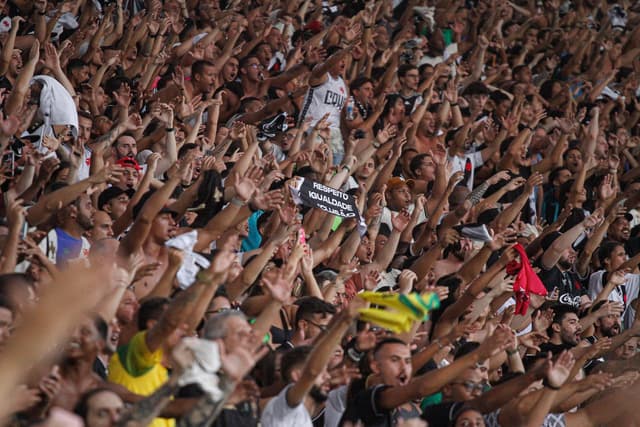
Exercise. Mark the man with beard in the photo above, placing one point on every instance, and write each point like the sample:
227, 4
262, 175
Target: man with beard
125, 146
620, 231
390, 398
304, 369
312, 318
609, 325
564, 332
66, 241
557, 264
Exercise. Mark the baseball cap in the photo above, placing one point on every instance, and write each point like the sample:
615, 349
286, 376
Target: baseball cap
111, 193
129, 162
396, 182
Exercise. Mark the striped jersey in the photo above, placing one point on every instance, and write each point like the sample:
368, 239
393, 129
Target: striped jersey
329, 97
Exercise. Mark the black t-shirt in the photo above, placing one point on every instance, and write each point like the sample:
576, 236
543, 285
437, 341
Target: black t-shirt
364, 407
568, 283
554, 348
411, 102
441, 414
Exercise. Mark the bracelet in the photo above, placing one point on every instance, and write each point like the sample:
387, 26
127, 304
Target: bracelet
512, 352
42, 13
530, 128
367, 26
347, 168
204, 277
170, 130
453, 104
237, 202
546, 383
375, 144
153, 36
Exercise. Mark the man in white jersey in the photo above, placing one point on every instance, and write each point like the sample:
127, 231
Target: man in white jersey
328, 92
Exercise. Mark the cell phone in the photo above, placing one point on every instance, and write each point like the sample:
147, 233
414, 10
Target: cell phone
10, 158
302, 237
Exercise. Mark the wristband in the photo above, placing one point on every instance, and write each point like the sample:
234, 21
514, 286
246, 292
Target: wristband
453, 104
204, 277
237, 202
347, 168
546, 383
153, 36
170, 130
512, 352
530, 128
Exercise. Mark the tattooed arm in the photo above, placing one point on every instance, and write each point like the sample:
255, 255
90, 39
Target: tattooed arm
143, 412
205, 412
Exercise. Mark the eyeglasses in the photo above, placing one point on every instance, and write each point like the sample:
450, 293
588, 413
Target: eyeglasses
258, 66
321, 327
470, 386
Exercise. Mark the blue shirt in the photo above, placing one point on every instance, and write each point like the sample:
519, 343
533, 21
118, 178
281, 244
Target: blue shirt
68, 247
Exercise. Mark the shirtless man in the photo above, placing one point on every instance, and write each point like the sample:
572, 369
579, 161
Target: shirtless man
76, 371
457, 255
153, 225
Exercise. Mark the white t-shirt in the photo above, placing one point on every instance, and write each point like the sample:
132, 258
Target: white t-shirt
278, 413
336, 404
632, 285
458, 165
329, 97
85, 163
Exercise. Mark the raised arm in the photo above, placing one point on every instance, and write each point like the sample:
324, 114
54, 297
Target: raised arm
17, 95
434, 380
322, 352
187, 306
551, 256
134, 239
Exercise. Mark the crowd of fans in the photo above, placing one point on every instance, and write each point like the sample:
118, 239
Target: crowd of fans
159, 267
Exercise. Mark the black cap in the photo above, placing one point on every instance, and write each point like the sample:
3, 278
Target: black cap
112, 193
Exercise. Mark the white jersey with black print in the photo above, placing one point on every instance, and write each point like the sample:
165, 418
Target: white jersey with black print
329, 97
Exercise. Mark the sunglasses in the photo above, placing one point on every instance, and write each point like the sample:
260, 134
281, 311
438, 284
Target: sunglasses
470, 386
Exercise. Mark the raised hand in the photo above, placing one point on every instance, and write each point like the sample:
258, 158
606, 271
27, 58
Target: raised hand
406, 280
401, 220
279, 287
558, 372
8, 125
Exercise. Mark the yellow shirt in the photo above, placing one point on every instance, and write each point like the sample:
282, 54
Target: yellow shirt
138, 370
